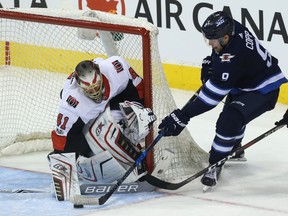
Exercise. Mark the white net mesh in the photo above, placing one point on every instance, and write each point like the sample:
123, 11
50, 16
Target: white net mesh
37, 57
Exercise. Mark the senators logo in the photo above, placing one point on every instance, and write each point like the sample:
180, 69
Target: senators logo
72, 101
111, 6
118, 66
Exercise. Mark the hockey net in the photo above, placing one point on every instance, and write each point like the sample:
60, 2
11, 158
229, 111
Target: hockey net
41, 47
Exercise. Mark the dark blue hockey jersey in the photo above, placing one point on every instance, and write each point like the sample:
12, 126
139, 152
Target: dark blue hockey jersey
244, 65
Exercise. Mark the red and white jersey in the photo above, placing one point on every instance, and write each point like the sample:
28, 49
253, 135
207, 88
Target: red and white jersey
74, 104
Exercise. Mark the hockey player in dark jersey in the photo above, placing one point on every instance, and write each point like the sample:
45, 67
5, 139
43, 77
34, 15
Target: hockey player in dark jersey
239, 68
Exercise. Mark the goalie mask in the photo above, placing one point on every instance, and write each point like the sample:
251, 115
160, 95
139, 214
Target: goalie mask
89, 78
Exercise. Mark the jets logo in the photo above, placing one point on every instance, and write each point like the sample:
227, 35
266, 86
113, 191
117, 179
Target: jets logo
220, 22
226, 57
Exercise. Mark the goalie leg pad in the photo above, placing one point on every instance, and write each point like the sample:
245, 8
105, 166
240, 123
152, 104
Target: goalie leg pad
64, 175
102, 168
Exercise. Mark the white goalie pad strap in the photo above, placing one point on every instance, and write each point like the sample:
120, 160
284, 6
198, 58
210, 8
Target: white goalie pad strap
104, 134
101, 169
64, 175
138, 121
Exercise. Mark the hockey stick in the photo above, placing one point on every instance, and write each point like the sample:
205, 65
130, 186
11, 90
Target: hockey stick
174, 186
88, 200
23, 191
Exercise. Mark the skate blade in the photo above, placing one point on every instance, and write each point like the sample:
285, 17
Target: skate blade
206, 188
244, 159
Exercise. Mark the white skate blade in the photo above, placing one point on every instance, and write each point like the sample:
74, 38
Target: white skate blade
207, 188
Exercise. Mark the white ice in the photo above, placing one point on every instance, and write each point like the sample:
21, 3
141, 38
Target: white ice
256, 187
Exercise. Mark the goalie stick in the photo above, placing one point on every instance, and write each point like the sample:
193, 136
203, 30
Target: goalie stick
88, 200
174, 186
24, 191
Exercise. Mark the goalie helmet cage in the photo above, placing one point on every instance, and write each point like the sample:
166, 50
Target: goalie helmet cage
40, 48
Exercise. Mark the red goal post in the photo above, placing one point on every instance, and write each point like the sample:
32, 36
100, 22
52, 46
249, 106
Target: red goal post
41, 47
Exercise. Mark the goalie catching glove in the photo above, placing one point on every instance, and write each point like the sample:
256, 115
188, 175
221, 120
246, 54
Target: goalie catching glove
91, 34
137, 122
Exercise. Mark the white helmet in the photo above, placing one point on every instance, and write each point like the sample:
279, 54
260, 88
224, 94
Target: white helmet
89, 78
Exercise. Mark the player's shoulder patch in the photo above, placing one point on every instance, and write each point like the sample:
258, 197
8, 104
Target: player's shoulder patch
72, 101
226, 57
118, 66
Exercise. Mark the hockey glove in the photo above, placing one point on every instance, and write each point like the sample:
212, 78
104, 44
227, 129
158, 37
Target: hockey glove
284, 120
174, 123
137, 122
206, 71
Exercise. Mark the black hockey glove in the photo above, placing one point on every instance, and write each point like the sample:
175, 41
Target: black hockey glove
206, 71
174, 123
284, 120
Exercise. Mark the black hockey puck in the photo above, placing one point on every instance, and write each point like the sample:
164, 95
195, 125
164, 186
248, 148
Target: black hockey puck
78, 206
